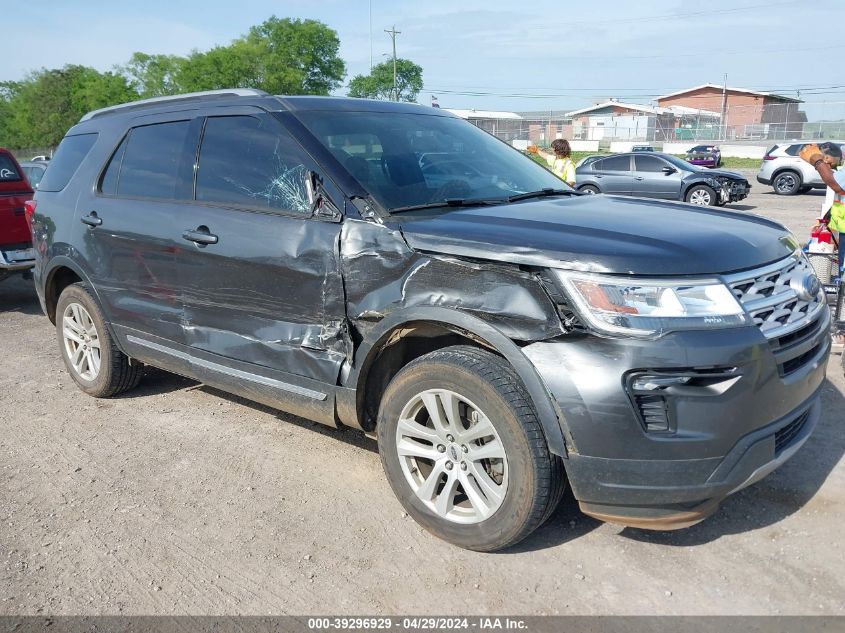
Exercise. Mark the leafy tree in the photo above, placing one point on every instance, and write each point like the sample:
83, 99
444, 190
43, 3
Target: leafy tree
48, 102
379, 83
281, 56
153, 75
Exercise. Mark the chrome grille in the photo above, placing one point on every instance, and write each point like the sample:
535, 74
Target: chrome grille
771, 301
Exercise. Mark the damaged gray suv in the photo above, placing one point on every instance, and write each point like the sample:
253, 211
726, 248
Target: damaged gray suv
392, 268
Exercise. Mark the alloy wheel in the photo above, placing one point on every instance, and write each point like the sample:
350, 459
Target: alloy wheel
82, 342
452, 456
786, 183
701, 197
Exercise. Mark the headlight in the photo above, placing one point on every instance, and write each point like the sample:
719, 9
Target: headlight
646, 307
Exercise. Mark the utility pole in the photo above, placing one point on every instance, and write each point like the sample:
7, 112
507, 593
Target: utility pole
724, 122
393, 33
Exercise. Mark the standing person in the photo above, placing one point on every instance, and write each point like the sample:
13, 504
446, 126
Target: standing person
560, 162
826, 157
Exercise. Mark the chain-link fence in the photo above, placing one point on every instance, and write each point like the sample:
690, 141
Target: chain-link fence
755, 123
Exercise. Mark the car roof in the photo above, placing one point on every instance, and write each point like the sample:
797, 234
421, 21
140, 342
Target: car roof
257, 98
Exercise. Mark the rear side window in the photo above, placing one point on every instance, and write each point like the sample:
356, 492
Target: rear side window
251, 161
72, 151
151, 161
8, 171
793, 150
614, 163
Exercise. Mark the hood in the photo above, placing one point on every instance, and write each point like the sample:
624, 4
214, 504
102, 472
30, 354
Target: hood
603, 234
714, 173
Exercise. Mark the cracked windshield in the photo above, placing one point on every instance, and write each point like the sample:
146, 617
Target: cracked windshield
406, 160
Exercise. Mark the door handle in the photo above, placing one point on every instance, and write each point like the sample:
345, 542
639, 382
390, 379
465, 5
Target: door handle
200, 235
92, 219
638, 178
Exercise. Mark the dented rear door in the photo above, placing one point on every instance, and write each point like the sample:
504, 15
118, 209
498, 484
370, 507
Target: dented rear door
260, 276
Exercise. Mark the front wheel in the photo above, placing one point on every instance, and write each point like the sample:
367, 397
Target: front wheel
702, 195
464, 452
591, 189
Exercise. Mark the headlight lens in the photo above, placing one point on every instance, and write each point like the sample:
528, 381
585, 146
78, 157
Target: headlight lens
646, 307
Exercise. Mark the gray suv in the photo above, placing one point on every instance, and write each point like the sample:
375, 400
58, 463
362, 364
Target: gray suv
784, 170
502, 335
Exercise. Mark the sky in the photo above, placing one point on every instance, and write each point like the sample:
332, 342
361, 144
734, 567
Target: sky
489, 54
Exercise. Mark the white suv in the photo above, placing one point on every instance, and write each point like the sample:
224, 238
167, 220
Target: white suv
786, 172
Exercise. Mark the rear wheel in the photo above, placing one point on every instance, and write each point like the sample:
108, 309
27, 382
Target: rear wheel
591, 189
464, 452
702, 195
90, 355
787, 183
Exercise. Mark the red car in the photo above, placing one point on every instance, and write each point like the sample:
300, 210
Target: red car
16, 252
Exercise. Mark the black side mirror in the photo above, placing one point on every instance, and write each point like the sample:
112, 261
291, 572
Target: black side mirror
669, 170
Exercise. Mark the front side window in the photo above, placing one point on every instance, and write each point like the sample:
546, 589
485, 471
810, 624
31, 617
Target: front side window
151, 162
252, 161
405, 159
648, 164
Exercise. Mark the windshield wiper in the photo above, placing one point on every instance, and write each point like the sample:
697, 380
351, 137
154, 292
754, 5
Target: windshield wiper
449, 202
542, 194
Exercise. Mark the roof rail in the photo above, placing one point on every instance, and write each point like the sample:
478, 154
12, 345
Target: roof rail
234, 92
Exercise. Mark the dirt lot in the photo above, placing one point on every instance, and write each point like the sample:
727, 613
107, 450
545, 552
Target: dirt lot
178, 499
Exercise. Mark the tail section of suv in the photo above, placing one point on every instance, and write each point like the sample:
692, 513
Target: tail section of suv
786, 172
502, 335
15, 242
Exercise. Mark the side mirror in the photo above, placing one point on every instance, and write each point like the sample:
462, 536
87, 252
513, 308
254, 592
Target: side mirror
669, 170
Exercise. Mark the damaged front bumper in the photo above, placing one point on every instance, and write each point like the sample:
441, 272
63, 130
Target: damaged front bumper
735, 410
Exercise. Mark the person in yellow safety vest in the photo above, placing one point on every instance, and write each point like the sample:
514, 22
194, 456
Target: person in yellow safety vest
559, 161
826, 157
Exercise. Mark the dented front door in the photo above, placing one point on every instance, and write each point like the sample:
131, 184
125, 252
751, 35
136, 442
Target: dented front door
261, 283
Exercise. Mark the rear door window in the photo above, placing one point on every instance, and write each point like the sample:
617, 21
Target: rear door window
151, 163
72, 151
251, 161
8, 171
614, 163
793, 150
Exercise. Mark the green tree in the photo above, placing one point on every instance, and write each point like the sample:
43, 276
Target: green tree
153, 75
281, 56
43, 106
379, 83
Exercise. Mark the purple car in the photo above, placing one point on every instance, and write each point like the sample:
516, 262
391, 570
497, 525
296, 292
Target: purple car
705, 156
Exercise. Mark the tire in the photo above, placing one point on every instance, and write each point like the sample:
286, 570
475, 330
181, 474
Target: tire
591, 189
523, 480
702, 195
787, 183
80, 323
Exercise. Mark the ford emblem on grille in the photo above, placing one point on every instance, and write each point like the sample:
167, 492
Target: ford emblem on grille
807, 286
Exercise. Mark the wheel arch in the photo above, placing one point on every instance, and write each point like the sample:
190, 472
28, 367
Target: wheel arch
390, 346
62, 272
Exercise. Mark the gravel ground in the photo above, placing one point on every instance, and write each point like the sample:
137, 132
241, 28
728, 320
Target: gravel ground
179, 499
